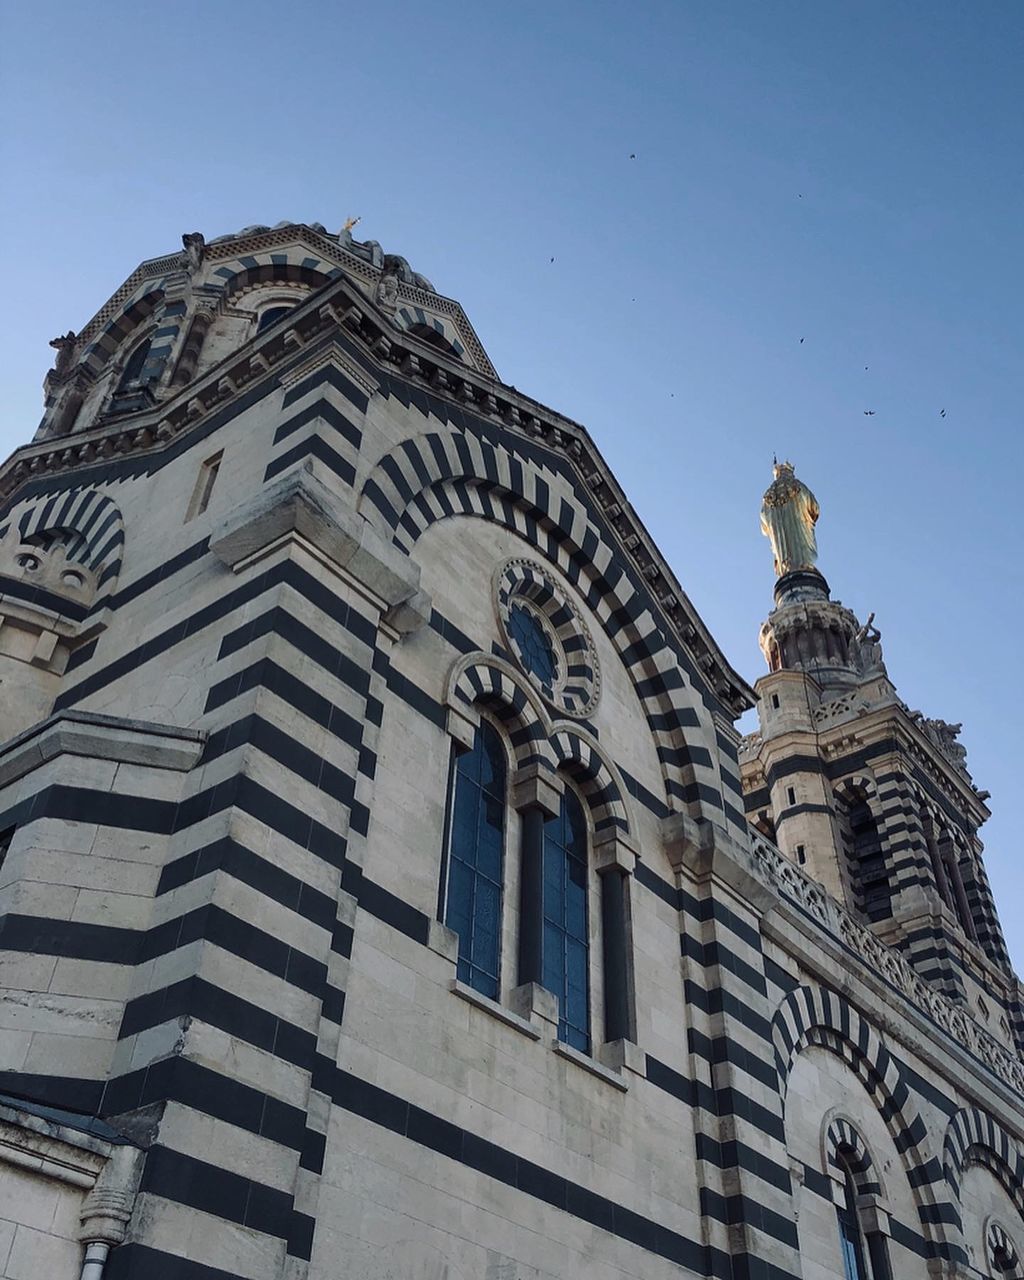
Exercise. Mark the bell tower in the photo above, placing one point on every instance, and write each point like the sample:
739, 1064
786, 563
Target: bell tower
870, 798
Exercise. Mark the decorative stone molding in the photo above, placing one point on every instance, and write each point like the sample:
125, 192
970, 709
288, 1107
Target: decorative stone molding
614, 851
108, 1206
775, 870
155, 429
100, 737
537, 787
705, 850
107, 1168
299, 505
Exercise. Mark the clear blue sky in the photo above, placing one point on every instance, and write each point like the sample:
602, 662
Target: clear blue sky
849, 173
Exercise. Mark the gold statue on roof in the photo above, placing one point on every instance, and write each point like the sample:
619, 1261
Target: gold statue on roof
789, 513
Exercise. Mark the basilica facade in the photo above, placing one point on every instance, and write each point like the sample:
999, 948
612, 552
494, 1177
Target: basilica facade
386, 889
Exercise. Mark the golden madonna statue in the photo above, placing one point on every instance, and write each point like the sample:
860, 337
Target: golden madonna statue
788, 516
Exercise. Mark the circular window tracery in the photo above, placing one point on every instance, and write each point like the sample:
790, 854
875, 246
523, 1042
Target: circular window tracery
548, 637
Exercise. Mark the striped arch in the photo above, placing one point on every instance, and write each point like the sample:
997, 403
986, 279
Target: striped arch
433, 477
422, 324
1003, 1253
87, 522
581, 760
480, 680
843, 1140
846, 788
293, 265
815, 1016
114, 339
973, 1137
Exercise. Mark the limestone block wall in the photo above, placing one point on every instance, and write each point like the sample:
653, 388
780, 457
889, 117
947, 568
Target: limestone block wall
283, 1032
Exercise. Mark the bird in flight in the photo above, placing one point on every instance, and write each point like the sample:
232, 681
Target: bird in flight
801, 339
942, 413
869, 413
632, 155
552, 259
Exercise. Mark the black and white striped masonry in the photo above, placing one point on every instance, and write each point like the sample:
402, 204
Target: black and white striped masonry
230, 930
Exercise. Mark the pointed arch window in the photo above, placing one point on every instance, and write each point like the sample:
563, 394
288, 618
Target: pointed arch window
566, 963
132, 375
476, 859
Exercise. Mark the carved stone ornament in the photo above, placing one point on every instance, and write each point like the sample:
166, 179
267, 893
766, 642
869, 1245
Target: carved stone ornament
195, 249
67, 349
887, 963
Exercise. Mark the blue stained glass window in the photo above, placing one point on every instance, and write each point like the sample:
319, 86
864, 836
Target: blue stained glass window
566, 965
476, 860
851, 1243
535, 648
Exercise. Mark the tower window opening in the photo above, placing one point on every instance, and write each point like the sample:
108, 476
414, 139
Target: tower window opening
869, 870
801, 855
954, 875
775, 701
6, 840
791, 794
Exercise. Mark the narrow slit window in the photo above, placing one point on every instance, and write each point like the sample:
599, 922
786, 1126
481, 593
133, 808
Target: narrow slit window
203, 490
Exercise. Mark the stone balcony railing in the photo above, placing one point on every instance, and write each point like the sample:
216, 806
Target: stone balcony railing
785, 877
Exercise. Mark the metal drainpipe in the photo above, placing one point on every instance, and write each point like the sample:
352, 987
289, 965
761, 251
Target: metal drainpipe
96, 1255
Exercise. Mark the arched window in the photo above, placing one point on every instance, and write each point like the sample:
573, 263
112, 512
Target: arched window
851, 1238
476, 860
949, 879
866, 857
566, 962
860, 1249
271, 316
132, 375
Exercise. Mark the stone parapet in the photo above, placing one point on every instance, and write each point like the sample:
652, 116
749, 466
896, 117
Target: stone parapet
775, 870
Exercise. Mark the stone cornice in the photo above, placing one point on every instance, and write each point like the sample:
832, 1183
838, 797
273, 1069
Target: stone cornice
221, 250
103, 737
340, 305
